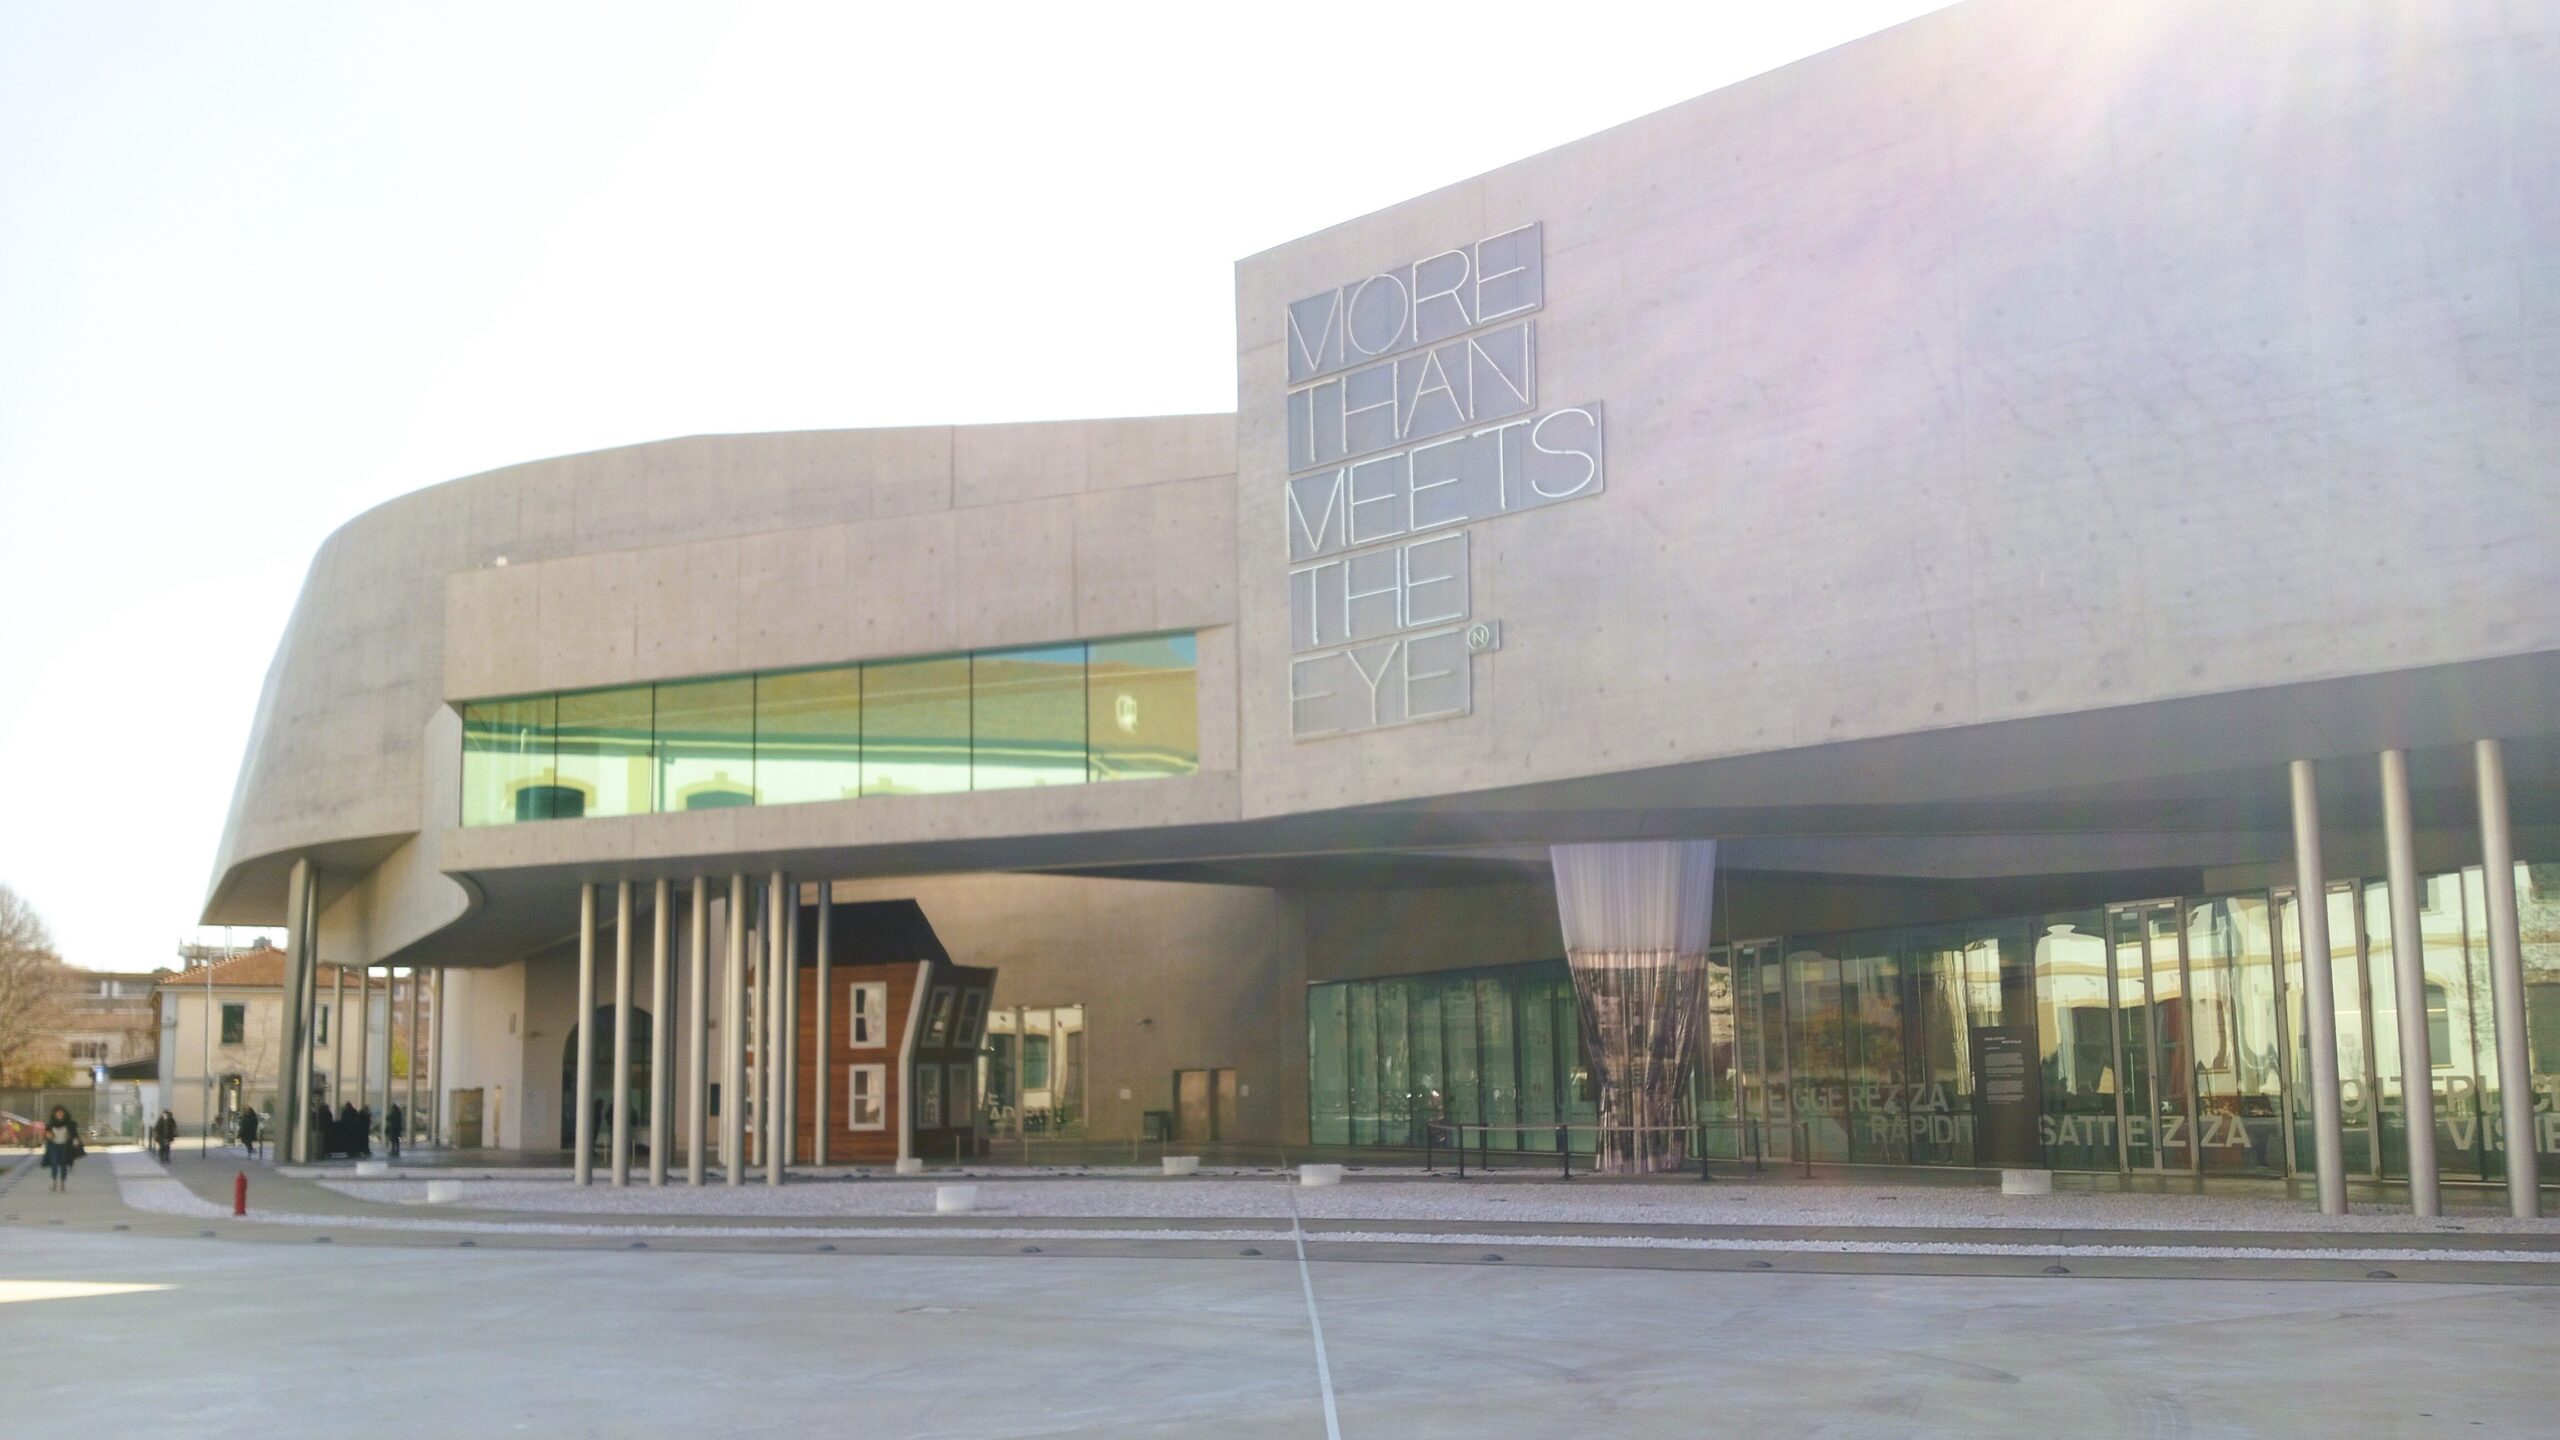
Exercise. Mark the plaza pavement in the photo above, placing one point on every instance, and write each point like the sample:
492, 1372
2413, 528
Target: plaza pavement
758, 1327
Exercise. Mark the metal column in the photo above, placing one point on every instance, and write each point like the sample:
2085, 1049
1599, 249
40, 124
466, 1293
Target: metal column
409, 1110
658, 1036
2506, 981
620, 1098
293, 1087
2409, 972
2319, 998
338, 1028
825, 1043
790, 1107
733, 1045
697, 1022
771, 1115
435, 1066
364, 1040
582, 1161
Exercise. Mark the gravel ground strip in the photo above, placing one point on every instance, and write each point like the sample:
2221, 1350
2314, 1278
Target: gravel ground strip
145, 1186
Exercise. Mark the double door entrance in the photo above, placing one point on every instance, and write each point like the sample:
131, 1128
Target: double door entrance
2198, 1059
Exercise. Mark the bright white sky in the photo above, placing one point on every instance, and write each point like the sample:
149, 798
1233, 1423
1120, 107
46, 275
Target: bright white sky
265, 265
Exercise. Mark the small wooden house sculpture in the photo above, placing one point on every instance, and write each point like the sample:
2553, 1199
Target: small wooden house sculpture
901, 1066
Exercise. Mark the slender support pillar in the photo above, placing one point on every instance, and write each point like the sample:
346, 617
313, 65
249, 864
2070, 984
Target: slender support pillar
697, 1026
791, 1027
825, 1044
2409, 971
733, 1044
2319, 999
338, 1028
364, 1038
409, 1107
435, 1064
293, 1082
2506, 981
658, 1033
620, 1097
582, 1162
774, 1011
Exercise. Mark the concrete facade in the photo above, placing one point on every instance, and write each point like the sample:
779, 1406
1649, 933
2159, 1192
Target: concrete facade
2026, 431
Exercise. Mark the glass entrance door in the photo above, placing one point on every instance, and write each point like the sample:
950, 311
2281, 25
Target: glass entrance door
2155, 1050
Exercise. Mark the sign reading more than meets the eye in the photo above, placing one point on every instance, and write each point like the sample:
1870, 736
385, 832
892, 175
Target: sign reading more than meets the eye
1413, 414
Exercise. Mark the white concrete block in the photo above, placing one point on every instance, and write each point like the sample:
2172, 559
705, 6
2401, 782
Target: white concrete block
954, 1199
443, 1192
1182, 1164
366, 1168
2026, 1182
911, 1166
1313, 1176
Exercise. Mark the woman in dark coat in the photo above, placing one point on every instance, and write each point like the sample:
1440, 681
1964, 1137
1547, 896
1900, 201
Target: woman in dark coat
164, 1133
61, 1146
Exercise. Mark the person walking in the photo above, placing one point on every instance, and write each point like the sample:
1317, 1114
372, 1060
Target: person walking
392, 1121
249, 1131
61, 1146
164, 1133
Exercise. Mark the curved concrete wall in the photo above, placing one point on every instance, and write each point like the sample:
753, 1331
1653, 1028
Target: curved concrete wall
2017, 423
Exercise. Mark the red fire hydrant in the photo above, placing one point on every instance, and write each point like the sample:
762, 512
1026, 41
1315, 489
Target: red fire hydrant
240, 1193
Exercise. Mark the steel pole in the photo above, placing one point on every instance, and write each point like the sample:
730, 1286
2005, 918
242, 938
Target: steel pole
825, 1041
659, 898
620, 1096
2409, 971
771, 1115
697, 1029
791, 1025
2506, 981
435, 1068
2319, 999
582, 1043
338, 1028
733, 1045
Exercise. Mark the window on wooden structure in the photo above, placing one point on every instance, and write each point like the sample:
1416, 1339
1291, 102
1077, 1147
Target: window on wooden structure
235, 1024
868, 1004
959, 1097
937, 1017
973, 1020
866, 1089
928, 1083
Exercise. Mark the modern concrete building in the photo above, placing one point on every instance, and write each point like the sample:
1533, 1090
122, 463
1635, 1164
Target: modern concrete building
2040, 490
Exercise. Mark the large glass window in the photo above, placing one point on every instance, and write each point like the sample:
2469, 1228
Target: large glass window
809, 735
993, 720
707, 744
916, 726
1143, 707
1029, 709
508, 756
605, 746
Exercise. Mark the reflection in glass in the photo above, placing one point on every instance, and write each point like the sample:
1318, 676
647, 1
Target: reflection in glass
605, 745
915, 726
809, 735
507, 754
1029, 718
1818, 1052
2075, 1044
1328, 1064
1143, 707
707, 744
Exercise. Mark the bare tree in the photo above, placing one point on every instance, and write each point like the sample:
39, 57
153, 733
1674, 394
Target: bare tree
32, 985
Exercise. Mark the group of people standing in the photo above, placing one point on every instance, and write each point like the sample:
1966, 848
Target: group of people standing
350, 1131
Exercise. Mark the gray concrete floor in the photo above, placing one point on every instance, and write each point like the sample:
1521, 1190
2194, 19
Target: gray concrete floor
286, 1337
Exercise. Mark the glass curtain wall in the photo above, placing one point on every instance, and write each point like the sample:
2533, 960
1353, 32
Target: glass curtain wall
993, 720
2170, 1035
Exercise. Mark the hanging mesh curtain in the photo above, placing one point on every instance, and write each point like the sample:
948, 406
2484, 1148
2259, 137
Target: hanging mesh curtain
1636, 919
